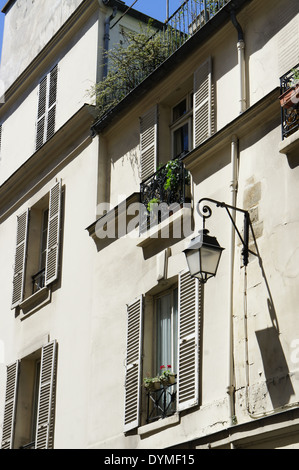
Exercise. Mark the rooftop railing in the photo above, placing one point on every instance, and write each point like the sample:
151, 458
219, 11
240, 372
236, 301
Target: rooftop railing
189, 18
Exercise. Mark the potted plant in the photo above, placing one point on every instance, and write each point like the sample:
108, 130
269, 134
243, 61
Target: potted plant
291, 96
152, 383
167, 377
150, 204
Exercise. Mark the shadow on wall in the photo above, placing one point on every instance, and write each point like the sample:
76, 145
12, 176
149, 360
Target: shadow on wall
275, 367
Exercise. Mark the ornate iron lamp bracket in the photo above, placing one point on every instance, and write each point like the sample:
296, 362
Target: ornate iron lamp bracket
207, 212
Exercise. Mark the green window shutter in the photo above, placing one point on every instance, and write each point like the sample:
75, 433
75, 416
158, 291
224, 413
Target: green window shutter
133, 365
149, 142
53, 241
20, 259
10, 405
188, 341
203, 103
46, 399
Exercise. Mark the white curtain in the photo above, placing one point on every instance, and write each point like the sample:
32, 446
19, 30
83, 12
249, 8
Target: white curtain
167, 314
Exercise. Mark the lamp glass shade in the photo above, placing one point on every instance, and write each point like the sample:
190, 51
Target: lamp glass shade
203, 256
209, 259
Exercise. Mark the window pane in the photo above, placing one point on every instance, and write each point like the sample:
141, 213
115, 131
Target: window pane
163, 331
181, 140
179, 110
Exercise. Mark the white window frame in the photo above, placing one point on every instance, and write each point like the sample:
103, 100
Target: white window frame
181, 121
173, 359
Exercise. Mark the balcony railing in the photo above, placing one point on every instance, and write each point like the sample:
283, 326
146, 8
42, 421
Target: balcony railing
161, 403
289, 83
31, 445
190, 17
163, 193
38, 281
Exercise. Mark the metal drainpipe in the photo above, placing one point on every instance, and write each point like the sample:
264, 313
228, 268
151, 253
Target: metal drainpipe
106, 40
234, 189
231, 369
241, 61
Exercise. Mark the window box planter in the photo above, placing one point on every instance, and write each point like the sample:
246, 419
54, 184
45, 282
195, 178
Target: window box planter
290, 97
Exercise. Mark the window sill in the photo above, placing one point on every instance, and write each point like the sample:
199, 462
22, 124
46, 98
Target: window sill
159, 425
174, 226
35, 301
290, 144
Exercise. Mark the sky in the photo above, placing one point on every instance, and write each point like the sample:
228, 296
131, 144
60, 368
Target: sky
154, 8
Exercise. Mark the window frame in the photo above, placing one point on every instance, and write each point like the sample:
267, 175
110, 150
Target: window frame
174, 341
181, 121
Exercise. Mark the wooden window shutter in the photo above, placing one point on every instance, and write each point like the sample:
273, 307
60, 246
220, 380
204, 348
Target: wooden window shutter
149, 142
46, 399
41, 113
52, 102
203, 105
188, 341
20, 259
53, 241
46, 108
133, 365
10, 405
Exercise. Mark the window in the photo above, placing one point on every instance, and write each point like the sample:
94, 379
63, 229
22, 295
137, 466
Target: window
166, 311
37, 246
30, 401
190, 118
181, 127
45, 126
177, 334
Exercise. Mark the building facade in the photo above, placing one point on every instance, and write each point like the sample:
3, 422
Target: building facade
96, 211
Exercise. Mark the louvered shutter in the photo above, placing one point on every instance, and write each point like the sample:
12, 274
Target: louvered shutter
10, 405
41, 113
133, 365
46, 108
203, 121
46, 399
149, 142
52, 257
20, 259
52, 102
188, 342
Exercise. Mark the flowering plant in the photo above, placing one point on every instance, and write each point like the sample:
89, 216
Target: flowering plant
164, 378
166, 374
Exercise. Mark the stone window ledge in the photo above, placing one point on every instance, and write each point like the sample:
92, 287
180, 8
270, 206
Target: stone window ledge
159, 425
290, 144
35, 301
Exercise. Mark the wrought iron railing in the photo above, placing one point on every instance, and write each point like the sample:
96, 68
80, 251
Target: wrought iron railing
164, 192
38, 281
190, 17
289, 83
161, 403
31, 445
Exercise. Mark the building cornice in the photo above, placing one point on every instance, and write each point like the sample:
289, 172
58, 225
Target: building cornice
48, 54
56, 152
176, 59
257, 115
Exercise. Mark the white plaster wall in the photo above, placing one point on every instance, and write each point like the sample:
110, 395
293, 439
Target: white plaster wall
30, 22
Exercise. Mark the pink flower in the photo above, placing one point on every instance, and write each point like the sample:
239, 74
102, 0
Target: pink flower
162, 367
169, 366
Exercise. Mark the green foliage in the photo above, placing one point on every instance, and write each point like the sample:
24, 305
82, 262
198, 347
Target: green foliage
130, 61
154, 200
